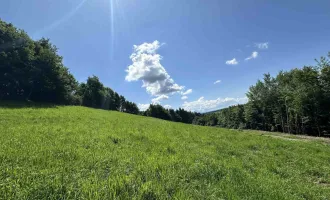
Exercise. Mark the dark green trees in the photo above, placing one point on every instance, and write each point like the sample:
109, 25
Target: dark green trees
157, 111
94, 94
174, 115
32, 70
131, 107
231, 117
297, 101
180, 115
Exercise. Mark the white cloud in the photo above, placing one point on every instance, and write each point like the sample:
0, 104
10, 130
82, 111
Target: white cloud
232, 62
263, 45
184, 97
217, 81
167, 106
143, 107
159, 98
187, 92
203, 105
253, 56
146, 67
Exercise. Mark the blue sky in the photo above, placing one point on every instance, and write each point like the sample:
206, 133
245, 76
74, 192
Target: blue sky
180, 44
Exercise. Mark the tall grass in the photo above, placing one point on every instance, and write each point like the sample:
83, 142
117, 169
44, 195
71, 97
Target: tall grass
82, 153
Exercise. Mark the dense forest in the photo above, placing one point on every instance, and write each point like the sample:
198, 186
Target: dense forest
33, 71
297, 101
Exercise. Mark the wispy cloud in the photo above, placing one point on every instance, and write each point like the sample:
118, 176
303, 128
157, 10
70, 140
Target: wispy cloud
146, 67
217, 81
203, 105
154, 101
187, 92
232, 62
253, 56
263, 45
158, 99
184, 97
143, 107
168, 106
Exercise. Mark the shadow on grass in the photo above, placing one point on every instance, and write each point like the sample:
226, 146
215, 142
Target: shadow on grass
25, 104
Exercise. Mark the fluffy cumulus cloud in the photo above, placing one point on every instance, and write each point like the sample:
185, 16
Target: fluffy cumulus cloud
217, 81
146, 67
143, 107
167, 106
254, 55
184, 97
203, 105
186, 92
263, 45
158, 99
232, 62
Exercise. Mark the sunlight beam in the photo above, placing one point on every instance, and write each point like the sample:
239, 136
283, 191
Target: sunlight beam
112, 26
61, 20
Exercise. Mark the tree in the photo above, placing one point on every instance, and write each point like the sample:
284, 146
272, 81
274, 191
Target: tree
93, 93
174, 116
296, 101
187, 117
32, 70
131, 108
122, 101
157, 111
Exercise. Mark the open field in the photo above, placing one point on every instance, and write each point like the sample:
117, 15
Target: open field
83, 153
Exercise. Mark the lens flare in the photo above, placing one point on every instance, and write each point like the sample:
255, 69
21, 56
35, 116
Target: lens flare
112, 26
61, 20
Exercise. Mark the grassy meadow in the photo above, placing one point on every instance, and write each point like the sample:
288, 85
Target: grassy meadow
69, 152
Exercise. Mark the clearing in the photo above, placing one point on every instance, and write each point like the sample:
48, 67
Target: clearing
69, 152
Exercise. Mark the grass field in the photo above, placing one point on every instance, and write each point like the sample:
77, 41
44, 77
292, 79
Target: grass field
83, 153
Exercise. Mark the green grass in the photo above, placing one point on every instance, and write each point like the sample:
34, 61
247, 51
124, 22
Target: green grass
82, 153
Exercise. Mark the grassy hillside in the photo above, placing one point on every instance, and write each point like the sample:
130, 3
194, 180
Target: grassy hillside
77, 152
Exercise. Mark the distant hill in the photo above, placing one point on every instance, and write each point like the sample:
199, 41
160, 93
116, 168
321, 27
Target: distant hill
213, 111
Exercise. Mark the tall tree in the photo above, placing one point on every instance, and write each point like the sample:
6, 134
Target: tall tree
93, 92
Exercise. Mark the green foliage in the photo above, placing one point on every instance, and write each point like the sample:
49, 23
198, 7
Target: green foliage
174, 116
32, 69
186, 116
180, 115
231, 117
95, 95
76, 152
157, 111
92, 92
296, 102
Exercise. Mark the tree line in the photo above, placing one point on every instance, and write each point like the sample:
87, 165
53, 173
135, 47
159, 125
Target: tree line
295, 101
33, 70
179, 115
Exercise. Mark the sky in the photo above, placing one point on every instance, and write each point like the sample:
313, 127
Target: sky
194, 54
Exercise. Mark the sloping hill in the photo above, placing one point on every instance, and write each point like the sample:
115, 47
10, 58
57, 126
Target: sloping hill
77, 152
